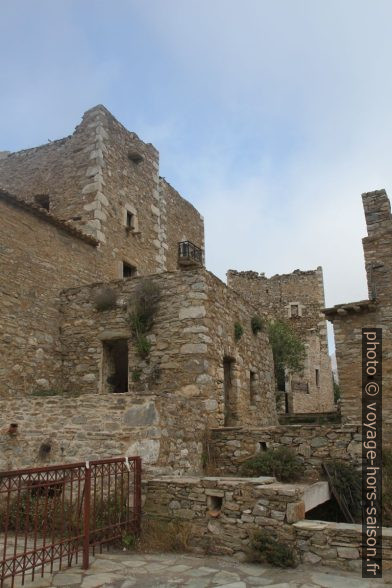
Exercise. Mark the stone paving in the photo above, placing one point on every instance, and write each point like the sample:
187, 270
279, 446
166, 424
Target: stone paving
125, 569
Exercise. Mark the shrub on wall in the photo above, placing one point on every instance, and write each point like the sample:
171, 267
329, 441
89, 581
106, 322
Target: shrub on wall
264, 547
282, 463
288, 351
256, 324
105, 299
238, 331
143, 307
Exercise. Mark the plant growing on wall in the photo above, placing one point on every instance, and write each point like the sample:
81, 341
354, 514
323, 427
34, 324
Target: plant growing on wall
256, 324
105, 299
288, 351
238, 331
143, 307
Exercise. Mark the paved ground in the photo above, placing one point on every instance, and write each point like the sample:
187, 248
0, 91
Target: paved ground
125, 570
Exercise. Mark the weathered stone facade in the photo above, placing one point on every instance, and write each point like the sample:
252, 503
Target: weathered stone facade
349, 319
297, 299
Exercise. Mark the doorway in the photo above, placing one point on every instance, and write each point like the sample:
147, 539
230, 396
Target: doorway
115, 365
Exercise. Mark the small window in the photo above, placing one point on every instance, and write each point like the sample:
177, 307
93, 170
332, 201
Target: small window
294, 310
262, 446
214, 504
129, 271
252, 387
317, 377
135, 156
42, 200
130, 222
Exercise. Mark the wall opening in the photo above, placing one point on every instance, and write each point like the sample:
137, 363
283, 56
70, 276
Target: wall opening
42, 200
228, 365
214, 504
253, 380
115, 365
129, 271
130, 221
317, 374
262, 446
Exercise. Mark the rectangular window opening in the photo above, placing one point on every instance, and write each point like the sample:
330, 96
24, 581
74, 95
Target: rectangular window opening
215, 503
262, 446
129, 271
115, 365
317, 377
130, 222
294, 310
228, 364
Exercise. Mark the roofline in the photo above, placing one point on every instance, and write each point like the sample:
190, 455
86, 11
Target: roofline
343, 310
41, 213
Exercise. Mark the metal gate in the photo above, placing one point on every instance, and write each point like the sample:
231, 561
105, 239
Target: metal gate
61, 514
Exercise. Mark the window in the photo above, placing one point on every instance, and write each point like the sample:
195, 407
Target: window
262, 446
115, 365
135, 156
129, 271
214, 504
130, 222
228, 391
252, 387
294, 310
42, 200
317, 377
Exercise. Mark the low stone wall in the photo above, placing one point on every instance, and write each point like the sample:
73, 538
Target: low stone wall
336, 544
230, 447
225, 512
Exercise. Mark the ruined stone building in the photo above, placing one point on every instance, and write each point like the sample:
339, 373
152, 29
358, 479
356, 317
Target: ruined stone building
297, 299
349, 319
84, 215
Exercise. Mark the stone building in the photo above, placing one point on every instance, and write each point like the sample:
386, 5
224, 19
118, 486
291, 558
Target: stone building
298, 299
349, 319
87, 214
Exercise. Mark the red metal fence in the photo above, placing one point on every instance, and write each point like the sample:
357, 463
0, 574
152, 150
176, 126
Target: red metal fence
59, 514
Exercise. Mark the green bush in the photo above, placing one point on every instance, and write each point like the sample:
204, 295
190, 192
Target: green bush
264, 547
288, 351
256, 324
282, 463
143, 307
136, 375
238, 331
54, 392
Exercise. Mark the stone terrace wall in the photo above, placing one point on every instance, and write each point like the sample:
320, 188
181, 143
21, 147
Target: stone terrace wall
247, 504
337, 544
312, 443
166, 431
193, 331
37, 260
273, 298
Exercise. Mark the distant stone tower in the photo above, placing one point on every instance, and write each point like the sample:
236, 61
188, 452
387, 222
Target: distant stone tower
297, 299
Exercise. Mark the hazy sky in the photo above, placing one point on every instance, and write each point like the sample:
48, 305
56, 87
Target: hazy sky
270, 116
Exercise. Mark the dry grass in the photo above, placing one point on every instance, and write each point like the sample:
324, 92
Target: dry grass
159, 535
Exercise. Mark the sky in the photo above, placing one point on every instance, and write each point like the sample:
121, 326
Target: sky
271, 116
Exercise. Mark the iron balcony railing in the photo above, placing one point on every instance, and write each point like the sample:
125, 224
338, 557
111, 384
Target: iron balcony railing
189, 253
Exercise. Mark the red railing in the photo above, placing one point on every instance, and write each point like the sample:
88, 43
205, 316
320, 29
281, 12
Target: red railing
58, 514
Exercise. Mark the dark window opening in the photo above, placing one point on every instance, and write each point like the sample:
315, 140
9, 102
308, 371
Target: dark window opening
228, 364
135, 157
129, 271
215, 503
294, 310
317, 377
262, 446
253, 387
115, 368
130, 221
42, 200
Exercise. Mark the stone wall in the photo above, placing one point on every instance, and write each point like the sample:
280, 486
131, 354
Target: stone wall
275, 298
193, 332
166, 431
349, 319
38, 257
337, 544
96, 175
312, 443
224, 513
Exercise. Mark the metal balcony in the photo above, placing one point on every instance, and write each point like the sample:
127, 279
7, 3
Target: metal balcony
189, 254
